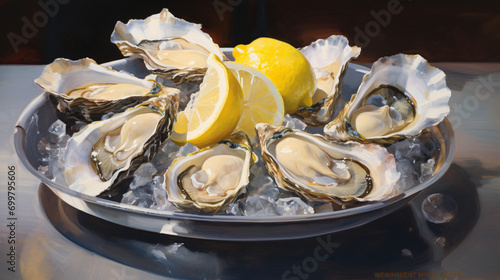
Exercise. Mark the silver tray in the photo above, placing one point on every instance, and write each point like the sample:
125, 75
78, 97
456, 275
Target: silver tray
41, 113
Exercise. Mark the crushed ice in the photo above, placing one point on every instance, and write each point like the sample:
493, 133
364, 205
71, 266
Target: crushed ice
293, 123
143, 175
262, 198
149, 195
413, 161
52, 149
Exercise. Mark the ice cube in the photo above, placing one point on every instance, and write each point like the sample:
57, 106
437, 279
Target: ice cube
54, 150
56, 169
414, 151
234, 209
44, 160
405, 167
56, 131
143, 175
409, 177
261, 184
166, 155
63, 141
129, 198
293, 206
160, 200
257, 206
140, 196
43, 146
426, 169
258, 169
151, 195
293, 123
187, 149
43, 169
270, 193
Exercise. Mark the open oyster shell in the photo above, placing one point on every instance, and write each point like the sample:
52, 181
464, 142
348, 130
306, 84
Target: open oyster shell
87, 90
329, 58
208, 180
320, 170
106, 152
398, 98
166, 43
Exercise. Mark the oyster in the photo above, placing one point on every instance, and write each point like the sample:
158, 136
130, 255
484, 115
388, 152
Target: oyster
87, 91
106, 152
208, 180
165, 42
329, 59
320, 170
398, 98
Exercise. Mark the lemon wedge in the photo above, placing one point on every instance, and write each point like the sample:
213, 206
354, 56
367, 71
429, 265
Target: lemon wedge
262, 103
214, 112
286, 66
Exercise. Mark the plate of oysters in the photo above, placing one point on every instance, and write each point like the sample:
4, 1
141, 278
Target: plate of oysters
259, 142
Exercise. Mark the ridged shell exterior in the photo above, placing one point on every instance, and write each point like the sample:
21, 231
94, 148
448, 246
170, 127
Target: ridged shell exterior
156, 28
424, 84
63, 75
382, 164
79, 173
321, 53
237, 142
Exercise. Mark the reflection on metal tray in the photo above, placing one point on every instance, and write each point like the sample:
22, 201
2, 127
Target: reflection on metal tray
41, 113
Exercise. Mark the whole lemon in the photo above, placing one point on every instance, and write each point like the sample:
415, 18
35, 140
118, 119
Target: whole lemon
286, 66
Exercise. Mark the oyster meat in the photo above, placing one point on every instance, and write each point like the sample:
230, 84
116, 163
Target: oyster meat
105, 152
87, 90
329, 58
208, 180
320, 170
165, 42
398, 98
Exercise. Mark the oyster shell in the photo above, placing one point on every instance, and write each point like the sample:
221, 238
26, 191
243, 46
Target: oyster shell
106, 152
165, 42
320, 170
208, 180
398, 98
329, 59
87, 90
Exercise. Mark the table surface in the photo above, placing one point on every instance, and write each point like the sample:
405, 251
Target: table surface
55, 241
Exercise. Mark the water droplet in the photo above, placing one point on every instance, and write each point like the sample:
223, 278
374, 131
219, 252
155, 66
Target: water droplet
439, 208
441, 241
406, 253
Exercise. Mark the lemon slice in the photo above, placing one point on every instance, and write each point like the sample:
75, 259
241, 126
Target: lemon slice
262, 102
215, 110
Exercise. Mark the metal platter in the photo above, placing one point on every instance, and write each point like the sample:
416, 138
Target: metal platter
41, 113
